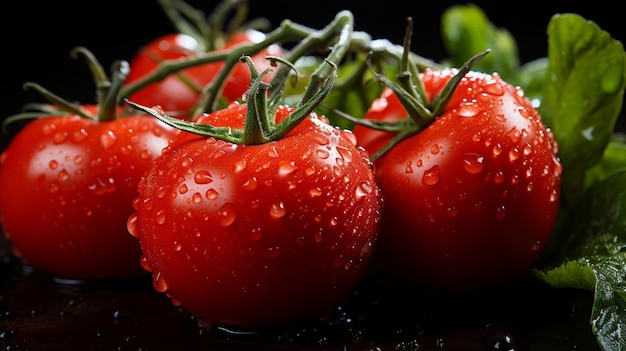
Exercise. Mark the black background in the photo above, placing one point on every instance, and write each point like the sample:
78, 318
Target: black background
38, 36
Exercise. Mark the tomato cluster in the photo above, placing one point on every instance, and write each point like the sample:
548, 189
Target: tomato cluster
263, 213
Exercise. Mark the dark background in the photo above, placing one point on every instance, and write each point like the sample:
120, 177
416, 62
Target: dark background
39, 36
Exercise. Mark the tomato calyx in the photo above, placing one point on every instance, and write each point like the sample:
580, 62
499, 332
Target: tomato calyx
420, 113
259, 127
107, 91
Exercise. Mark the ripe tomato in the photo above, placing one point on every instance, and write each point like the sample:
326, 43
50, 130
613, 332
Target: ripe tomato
253, 236
178, 92
471, 200
66, 189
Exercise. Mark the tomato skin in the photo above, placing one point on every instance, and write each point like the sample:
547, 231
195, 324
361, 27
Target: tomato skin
250, 237
66, 189
471, 201
174, 94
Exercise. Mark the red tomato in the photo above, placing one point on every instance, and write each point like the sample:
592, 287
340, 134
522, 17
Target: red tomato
180, 91
253, 236
471, 201
66, 189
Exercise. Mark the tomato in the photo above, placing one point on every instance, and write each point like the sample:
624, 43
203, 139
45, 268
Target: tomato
471, 200
178, 92
248, 237
66, 189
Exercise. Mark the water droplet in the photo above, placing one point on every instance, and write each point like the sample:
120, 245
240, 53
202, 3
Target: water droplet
493, 88
277, 210
346, 154
211, 194
334, 221
363, 189
196, 198
177, 246
514, 154
434, 149
286, 167
409, 167
63, 175
431, 176
53, 164
473, 162
256, 234
499, 177
452, 211
250, 184
272, 153
80, 136
554, 196
315, 192
469, 109
145, 155
131, 225
240, 165
515, 135
228, 214
497, 150
183, 189
59, 138
558, 167
159, 283
322, 153
145, 263
160, 217
476, 136
108, 139
203, 177
501, 212
500, 118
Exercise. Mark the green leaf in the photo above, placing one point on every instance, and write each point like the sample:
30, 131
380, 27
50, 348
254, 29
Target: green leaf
614, 159
583, 96
466, 31
593, 257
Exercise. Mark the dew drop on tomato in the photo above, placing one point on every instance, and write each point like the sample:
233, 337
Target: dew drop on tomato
211, 194
196, 198
131, 225
108, 139
286, 167
431, 176
59, 138
160, 217
80, 135
493, 88
250, 184
473, 163
501, 212
323, 154
468, 110
228, 214
362, 190
159, 283
277, 210
203, 177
